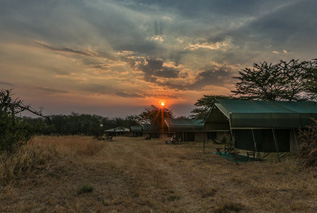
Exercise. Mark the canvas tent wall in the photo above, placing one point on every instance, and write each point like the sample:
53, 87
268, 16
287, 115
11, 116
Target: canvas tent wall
151, 130
262, 126
186, 129
136, 131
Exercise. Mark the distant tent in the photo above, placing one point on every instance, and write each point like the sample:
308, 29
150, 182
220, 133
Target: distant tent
261, 126
136, 131
187, 129
117, 131
151, 130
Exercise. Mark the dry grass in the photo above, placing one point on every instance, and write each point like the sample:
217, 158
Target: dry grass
135, 175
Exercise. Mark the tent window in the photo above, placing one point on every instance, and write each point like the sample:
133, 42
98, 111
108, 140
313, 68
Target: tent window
264, 140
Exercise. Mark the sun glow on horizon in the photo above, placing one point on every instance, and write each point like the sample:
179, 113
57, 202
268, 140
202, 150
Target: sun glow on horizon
162, 103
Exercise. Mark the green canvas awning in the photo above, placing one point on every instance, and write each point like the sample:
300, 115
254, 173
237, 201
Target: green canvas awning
264, 114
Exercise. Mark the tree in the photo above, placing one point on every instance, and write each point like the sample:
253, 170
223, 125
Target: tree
203, 105
291, 81
14, 130
155, 115
310, 84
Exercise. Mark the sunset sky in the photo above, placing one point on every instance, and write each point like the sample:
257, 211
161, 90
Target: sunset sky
116, 57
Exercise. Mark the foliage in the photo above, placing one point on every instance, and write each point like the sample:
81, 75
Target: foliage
79, 124
203, 105
311, 75
291, 81
14, 131
155, 115
308, 146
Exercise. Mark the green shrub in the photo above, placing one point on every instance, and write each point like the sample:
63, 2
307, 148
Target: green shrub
14, 131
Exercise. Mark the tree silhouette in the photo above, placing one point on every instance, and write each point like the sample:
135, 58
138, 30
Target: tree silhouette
290, 81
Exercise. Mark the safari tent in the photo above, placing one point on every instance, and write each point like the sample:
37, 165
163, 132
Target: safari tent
261, 126
151, 130
136, 131
186, 129
122, 131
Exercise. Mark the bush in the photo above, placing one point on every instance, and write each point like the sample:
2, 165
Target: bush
308, 148
14, 131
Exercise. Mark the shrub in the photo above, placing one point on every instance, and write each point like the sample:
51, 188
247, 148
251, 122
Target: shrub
308, 148
14, 131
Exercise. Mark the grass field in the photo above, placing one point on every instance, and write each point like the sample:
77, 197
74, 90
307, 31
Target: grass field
81, 174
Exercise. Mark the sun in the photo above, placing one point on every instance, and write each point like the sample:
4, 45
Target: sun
162, 103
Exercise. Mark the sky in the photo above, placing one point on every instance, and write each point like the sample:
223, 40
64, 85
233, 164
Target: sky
116, 57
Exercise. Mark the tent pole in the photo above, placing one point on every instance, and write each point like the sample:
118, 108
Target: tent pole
231, 133
204, 143
276, 146
297, 149
256, 151
184, 137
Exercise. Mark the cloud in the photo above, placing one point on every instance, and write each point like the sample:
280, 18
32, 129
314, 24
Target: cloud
67, 50
6, 83
129, 95
154, 68
211, 46
50, 90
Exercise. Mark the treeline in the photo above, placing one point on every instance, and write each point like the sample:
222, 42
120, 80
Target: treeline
78, 124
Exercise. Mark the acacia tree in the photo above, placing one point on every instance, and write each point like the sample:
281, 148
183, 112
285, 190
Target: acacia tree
291, 81
14, 131
155, 115
310, 84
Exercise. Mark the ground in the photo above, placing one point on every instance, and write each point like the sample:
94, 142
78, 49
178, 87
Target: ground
137, 175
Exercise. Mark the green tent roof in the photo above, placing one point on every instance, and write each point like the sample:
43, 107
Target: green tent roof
136, 128
266, 114
150, 128
180, 125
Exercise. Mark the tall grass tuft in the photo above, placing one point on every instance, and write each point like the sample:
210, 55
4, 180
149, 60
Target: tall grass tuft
29, 159
76, 145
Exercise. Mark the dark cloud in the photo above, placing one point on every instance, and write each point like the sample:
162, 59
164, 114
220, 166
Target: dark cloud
129, 95
66, 50
154, 69
214, 76
50, 90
